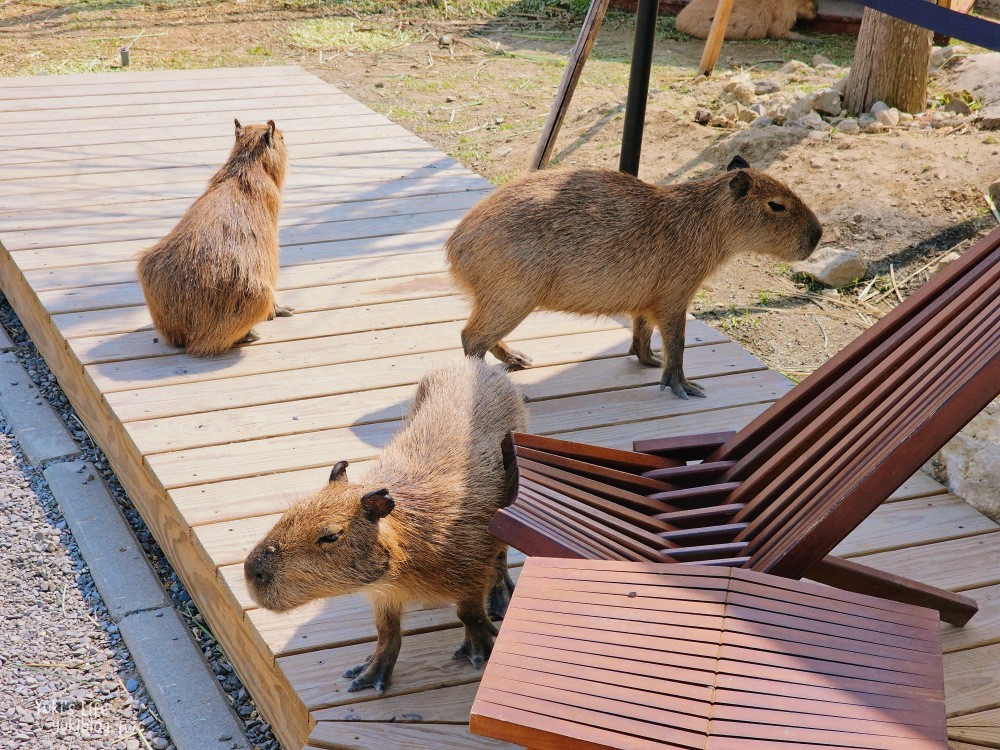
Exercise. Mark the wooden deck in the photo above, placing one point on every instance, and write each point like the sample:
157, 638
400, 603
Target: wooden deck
95, 167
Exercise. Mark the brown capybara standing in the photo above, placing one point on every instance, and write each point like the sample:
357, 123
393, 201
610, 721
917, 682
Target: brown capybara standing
210, 280
599, 242
750, 19
415, 528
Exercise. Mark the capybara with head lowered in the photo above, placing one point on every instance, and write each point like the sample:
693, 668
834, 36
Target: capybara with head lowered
414, 528
749, 19
212, 278
598, 242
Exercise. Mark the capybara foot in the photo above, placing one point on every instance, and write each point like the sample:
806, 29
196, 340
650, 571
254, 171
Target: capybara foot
681, 386
476, 647
499, 599
514, 360
373, 674
647, 356
251, 336
281, 311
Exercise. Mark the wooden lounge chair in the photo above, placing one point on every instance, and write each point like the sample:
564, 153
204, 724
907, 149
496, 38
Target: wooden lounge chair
780, 494
646, 656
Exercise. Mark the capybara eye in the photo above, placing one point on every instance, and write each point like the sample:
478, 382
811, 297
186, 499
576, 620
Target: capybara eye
776, 206
329, 538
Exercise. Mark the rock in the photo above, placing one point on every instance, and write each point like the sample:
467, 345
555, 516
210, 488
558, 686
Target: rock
958, 106
827, 68
446, 40
878, 107
873, 128
741, 92
735, 81
943, 262
827, 102
994, 191
766, 87
840, 85
159, 743
132, 684
833, 266
972, 459
813, 121
794, 66
848, 126
818, 60
800, 108
888, 117
938, 58
702, 116
747, 115
499, 153
762, 122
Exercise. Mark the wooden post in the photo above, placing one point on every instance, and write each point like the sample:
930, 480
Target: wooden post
716, 35
891, 60
584, 43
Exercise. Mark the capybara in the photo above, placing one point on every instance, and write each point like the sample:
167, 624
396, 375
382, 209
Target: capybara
415, 527
213, 276
749, 19
599, 242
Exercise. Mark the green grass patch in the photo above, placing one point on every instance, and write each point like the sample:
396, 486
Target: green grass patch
341, 33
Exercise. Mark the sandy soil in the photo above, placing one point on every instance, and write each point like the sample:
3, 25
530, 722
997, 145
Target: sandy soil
482, 94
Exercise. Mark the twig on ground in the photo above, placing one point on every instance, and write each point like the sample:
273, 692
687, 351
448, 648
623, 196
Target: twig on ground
826, 339
895, 286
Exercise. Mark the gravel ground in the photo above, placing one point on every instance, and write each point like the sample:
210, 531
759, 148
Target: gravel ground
66, 677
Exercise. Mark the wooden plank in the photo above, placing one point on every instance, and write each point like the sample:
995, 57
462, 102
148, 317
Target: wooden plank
372, 405
983, 629
959, 564
105, 115
73, 80
449, 705
303, 450
919, 485
972, 680
903, 524
124, 163
338, 169
369, 735
989, 718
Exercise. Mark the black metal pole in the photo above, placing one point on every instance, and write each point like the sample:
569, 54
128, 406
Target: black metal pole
638, 85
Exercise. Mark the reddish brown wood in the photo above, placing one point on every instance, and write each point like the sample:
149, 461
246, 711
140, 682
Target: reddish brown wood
579, 663
684, 447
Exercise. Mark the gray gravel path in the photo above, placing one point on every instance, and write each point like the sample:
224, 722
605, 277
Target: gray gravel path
66, 678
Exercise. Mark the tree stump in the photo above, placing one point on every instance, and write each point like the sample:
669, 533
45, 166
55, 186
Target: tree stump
891, 61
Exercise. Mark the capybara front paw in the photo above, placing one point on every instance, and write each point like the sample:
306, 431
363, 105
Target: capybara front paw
516, 360
476, 649
251, 336
681, 386
283, 311
371, 674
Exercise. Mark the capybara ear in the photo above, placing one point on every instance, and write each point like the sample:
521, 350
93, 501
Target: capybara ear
738, 162
377, 504
239, 128
339, 472
271, 126
740, 184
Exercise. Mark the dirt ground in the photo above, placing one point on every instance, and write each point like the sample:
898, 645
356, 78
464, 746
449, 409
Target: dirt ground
477, 78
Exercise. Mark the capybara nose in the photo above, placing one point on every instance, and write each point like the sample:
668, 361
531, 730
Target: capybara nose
816, 235
254, 571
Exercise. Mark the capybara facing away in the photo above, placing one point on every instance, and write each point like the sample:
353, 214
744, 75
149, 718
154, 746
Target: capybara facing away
750, 19
213, 276
598, 242
414, 528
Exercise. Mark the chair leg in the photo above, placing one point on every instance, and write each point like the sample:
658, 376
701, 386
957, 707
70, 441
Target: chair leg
851, 576
716, 35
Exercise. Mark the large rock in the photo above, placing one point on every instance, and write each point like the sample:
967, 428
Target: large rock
827, 102
833, 266
979, 74
972, 459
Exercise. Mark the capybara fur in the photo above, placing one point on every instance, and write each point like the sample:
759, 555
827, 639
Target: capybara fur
599, 242
212, 278
414, 528
749, 19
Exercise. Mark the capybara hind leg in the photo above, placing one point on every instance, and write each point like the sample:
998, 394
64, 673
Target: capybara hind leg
281, 311
479, 633
377, 669
487, 325
642, 343
672, 326
250, 337
498, 599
